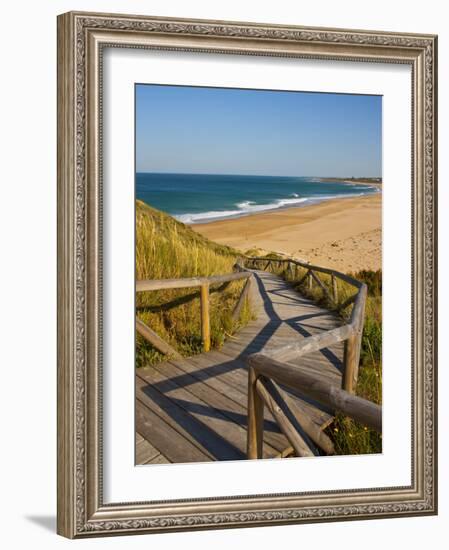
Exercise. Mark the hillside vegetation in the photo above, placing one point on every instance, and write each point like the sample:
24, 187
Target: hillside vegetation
168, 249
351, 437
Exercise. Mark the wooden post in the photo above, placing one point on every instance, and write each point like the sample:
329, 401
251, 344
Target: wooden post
335, 288
317, 388
310, 280
255, 418
238, 308
354, 343
358, 347
290, 270
280, 414
350, 367
205, 320
320, 283
302, 418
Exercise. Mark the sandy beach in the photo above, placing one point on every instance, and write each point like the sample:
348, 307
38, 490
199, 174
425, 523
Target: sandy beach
345, 234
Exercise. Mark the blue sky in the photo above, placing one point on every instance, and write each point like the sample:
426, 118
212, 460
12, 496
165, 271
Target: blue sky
231, 131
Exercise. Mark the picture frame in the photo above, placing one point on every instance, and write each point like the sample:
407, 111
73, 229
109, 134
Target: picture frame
82, 40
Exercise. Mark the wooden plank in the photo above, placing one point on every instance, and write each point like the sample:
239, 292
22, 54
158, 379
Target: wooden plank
217, 371
220, 402
173, 414
239, 378
159, 459
283, 419
190, 282
243, 348
154, 339
271, 336
310, 363
175, 447
223, 396
361, 410
311, 343
280, 335
145, 451
233, 436
236, 380
319, 365
302, 418
287, 452
205, 320
173, 409
218, 381
246, 350
313, 362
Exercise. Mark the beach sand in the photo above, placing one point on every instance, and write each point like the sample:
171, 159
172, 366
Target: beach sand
344, 234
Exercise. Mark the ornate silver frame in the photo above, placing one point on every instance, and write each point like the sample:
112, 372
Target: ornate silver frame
81, 38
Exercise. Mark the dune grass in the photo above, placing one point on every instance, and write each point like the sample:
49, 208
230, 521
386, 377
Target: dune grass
349, 436
168, 249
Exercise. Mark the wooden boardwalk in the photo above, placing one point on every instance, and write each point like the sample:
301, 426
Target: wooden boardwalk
195, 409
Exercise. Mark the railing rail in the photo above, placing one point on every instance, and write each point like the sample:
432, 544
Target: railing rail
271, 367
264, 370
352, 331
313, 268
189, 282
204, 283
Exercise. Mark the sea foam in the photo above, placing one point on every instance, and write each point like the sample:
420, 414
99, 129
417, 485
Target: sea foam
245, 207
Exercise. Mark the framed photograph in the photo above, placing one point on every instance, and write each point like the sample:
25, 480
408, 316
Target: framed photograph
246, 274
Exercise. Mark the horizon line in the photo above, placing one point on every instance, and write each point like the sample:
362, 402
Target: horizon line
256, 175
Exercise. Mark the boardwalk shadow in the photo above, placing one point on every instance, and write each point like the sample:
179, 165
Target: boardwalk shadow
294, 322
207, 438
256, 344
218, 413
197, 417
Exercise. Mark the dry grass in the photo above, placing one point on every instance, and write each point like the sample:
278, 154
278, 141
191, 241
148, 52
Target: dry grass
167, 249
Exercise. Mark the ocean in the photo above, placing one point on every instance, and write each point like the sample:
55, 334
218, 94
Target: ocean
201, 198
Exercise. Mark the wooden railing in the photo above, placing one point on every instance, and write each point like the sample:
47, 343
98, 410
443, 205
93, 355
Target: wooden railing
204, 283
350, 333
269, 369
265, 373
